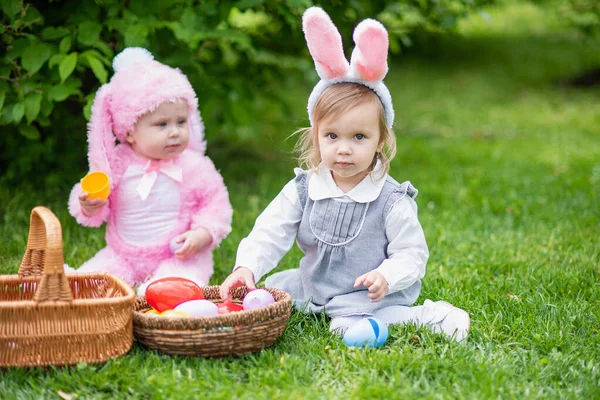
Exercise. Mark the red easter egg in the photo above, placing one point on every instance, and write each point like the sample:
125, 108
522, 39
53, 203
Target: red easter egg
228, 307
167, 293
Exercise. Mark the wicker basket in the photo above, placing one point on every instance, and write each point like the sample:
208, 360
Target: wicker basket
49, 318
236, 333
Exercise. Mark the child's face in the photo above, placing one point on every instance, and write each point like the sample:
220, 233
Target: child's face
162, 134
348, 144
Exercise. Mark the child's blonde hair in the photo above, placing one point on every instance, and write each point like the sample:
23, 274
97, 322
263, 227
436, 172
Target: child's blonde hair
336, 100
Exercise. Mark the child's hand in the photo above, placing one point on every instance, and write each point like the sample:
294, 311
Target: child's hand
376, 284
194, 241
90, 207
239, 277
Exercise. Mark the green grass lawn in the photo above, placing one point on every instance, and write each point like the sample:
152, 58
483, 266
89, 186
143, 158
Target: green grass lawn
507, 162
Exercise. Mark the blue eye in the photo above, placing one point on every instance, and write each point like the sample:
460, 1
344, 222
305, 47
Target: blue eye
331, 135
359, 136
181, 121
162, 124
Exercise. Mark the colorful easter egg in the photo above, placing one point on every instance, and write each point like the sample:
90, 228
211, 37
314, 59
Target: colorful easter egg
198, 308
167, 293
368, 332
228, 307
257, 298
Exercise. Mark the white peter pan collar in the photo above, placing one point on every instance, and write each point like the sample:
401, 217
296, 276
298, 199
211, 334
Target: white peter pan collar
322, 186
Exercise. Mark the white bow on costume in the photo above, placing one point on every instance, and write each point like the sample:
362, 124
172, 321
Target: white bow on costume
167, 167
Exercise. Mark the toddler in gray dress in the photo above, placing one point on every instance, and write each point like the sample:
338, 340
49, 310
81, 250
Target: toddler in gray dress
364, 248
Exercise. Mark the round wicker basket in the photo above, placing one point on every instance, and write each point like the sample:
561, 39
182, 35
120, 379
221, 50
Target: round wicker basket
236, 333
48, 317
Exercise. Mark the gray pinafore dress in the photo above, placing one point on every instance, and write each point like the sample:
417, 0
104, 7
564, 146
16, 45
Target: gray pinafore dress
341, 241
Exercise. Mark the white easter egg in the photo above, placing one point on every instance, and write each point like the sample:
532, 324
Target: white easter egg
198, 308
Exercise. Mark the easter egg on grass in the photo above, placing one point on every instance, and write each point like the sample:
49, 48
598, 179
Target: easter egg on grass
198, 308
368, 332
257, 298
167, 293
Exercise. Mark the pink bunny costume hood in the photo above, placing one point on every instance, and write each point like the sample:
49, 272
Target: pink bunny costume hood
368, 64
140, 84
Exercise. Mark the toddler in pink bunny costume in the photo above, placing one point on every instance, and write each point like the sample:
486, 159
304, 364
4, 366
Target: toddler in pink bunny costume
163, 187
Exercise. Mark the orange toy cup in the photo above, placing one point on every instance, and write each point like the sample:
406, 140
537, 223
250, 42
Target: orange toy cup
96, 185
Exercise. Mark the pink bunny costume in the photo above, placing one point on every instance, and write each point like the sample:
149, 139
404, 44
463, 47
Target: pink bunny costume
150, 202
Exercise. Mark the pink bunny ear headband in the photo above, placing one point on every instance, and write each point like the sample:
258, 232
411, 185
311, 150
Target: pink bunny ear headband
140, 84
368, 64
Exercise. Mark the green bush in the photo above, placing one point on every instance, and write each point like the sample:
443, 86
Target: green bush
582, 14
239, 55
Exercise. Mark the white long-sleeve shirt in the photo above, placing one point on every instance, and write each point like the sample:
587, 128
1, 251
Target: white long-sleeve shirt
275, 230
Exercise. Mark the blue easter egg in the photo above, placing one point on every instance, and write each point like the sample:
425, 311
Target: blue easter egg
368, 332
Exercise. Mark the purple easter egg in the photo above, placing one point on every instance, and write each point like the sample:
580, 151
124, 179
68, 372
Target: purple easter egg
174, 245
198, 308
257, 298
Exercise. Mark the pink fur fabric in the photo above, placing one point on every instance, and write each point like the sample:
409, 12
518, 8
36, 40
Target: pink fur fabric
204, 203
369, 57
324, 43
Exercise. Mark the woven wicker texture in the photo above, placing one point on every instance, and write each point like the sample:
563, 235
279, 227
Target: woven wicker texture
49, 318
236, 333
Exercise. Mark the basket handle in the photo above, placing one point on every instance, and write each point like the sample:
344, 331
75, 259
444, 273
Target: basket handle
44, 256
